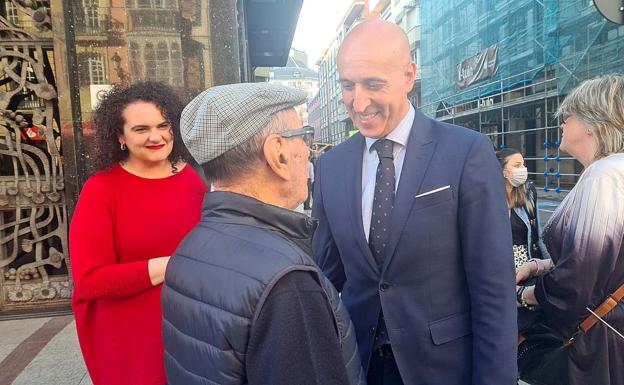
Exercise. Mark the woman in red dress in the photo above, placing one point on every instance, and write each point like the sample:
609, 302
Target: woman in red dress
129, 219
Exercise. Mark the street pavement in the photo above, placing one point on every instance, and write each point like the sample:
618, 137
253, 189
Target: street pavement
41, 351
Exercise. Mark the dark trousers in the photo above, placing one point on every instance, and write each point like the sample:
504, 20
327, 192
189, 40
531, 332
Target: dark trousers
383, 369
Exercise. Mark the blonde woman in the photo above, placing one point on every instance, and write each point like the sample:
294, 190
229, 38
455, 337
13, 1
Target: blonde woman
585, 236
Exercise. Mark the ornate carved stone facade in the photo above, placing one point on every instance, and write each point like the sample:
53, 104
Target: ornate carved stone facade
34, 264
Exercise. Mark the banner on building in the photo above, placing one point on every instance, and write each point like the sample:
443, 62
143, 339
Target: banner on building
479, 67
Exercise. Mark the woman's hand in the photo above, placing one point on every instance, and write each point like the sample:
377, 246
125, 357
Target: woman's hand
156, 268
533, 268
527, 297
526, 271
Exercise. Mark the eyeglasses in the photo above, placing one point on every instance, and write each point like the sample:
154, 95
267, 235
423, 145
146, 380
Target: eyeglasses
565, 117
306, 132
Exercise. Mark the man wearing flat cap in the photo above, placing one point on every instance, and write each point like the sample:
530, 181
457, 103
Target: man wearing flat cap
243, 301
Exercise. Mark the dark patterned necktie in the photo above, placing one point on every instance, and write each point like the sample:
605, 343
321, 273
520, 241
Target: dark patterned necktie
383, 200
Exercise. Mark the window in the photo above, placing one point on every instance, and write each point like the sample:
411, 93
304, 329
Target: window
152, 4
162, 62
612, 34
176, 64
96, 70
149, 60
91, 15
91, 69
12, 14
134, 56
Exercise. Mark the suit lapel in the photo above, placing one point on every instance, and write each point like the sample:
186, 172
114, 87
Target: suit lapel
353, 188
420, 148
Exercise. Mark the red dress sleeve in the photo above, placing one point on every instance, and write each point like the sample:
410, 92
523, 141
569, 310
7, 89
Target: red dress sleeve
95, 268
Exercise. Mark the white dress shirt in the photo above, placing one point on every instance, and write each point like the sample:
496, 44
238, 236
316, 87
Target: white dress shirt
399, 136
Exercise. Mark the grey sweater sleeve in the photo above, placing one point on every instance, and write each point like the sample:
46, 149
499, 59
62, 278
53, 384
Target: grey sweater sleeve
294, 340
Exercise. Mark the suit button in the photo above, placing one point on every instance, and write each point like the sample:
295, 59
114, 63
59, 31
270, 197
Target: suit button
372, 330
384, 286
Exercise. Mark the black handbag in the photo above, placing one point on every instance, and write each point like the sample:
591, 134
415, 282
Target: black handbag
542, 356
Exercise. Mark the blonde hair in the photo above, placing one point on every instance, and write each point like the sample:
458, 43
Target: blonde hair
599, 103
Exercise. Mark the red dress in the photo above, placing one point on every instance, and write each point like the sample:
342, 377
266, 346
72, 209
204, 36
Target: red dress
121, 221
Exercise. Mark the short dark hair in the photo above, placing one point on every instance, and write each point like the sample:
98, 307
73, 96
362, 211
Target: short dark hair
241, 160
109, 121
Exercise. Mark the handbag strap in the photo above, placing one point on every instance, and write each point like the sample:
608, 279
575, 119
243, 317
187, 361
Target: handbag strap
605, 307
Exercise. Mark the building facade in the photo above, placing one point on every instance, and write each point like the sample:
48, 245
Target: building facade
405, 14
336, 126
297, 74
314, 116
57, 58
502, 67
335, 123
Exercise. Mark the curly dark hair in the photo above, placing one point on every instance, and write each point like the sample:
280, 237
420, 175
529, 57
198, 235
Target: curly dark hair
109, 120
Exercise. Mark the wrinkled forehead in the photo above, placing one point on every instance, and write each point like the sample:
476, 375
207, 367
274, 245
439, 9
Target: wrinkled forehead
369, 61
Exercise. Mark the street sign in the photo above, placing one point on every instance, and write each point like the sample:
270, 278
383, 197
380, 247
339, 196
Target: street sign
98, 93
612, 10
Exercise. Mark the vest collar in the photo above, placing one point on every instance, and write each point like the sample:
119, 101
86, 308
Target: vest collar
236, 208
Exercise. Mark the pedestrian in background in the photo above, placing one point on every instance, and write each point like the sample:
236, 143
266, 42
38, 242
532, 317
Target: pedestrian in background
130, 217
585, 238
243, 301
522, 205
306, 204
414, 229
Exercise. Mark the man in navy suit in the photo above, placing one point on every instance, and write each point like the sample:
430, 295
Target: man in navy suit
414, 229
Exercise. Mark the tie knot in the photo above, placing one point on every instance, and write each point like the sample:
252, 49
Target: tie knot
384, 148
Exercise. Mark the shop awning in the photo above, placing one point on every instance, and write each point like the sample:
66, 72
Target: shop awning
270, 28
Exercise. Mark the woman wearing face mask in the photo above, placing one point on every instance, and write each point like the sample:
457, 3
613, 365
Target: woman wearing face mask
527, 246
522, 204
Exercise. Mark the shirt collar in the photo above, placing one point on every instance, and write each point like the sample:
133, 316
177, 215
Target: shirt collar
401, 133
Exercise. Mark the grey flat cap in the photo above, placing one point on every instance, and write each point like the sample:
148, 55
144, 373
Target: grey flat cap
224, 117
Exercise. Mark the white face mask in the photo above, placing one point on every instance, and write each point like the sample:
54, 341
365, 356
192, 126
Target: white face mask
518, 176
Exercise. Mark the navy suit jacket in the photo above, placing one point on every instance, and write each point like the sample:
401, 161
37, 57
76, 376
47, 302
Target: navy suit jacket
447, 285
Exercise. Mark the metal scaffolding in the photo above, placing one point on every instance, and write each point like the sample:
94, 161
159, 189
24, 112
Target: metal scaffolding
536, 51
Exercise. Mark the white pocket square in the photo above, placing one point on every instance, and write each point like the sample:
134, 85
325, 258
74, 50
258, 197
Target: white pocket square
432, 191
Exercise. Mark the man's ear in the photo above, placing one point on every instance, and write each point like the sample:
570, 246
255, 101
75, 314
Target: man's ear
276, 156
410, 76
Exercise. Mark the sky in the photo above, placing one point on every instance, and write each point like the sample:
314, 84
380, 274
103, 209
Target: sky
318, 22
